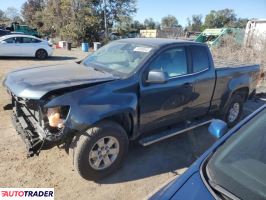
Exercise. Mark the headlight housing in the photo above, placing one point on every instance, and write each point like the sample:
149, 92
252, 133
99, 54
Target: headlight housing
57, 115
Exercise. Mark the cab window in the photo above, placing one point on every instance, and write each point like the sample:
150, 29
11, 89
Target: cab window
200, 58
172, 61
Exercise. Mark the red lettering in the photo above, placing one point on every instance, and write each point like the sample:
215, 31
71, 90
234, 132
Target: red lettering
21, 193
4, 193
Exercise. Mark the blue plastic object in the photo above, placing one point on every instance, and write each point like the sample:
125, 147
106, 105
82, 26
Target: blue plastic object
85, 47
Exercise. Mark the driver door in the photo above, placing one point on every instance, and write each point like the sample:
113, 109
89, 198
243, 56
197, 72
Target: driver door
163, 104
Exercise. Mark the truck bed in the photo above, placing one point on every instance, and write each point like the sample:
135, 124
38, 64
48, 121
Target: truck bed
231, 74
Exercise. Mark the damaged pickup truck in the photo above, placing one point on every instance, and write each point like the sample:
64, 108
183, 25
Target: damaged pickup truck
145, 89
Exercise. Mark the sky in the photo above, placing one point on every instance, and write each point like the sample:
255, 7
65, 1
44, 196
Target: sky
157, 9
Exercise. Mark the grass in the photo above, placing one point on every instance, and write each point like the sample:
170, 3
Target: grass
229, 50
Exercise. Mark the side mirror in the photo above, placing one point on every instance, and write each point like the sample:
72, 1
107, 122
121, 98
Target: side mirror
3, 42
157, 76
217, 128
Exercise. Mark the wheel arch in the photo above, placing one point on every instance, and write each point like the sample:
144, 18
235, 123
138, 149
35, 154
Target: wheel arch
243, 92
124, 119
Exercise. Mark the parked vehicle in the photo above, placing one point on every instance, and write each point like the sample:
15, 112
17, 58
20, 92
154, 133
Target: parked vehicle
233, 168
127, 90
114, 36
4, 32
24, 46
16, 27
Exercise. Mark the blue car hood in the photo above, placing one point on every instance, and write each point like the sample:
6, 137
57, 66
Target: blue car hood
185, 187
193, 189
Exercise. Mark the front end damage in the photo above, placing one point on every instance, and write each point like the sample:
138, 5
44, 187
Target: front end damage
39, 127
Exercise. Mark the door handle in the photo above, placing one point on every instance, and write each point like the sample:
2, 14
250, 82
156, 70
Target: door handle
187, 85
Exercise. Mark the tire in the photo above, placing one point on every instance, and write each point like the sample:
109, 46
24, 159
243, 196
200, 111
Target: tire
41, 54
234, 111
84, 159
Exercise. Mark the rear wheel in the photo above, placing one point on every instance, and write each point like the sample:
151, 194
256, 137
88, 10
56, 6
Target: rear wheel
100, 151
41, 54
234, 111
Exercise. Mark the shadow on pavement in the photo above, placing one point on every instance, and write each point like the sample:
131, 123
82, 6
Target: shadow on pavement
58, 58
172, 154
52, 58
163, 157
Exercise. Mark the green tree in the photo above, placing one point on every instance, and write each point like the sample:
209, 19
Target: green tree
115, 10
124, 25
169, 21
189, 26
77, 20
2, 17
241, 23
136, 26
29, 11
149, 23
2, 14
220, 18
196, 22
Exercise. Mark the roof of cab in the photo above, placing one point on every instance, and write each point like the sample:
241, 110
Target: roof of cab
157, 41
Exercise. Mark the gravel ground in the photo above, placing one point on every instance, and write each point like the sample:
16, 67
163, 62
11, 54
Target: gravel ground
144, 170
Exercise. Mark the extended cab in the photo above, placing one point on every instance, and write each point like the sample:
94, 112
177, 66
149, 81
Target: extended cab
129, 89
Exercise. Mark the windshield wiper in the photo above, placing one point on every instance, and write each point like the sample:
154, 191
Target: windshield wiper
99, 70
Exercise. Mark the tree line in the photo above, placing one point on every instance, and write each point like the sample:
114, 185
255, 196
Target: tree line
85, 20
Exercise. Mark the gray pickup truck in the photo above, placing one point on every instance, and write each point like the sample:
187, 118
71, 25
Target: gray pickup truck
145, 89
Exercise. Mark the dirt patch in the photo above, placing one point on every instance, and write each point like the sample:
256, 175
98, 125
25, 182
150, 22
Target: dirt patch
144, 170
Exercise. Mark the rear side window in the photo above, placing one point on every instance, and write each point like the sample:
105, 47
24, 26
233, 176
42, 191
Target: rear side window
30, 40
200, 58
35, 40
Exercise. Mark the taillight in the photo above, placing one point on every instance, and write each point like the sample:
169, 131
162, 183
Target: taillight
262, 75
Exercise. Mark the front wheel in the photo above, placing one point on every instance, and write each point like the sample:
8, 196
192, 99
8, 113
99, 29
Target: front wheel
100, 151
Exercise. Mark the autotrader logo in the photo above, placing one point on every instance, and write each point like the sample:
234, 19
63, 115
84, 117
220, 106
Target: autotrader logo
26, 193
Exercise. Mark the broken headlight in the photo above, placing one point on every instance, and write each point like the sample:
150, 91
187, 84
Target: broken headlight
56, 116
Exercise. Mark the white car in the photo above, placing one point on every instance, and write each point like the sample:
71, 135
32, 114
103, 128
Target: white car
25, 46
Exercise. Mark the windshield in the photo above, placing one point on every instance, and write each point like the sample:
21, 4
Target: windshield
239, 165
118, 57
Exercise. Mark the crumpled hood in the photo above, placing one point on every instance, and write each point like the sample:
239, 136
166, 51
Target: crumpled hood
35, 82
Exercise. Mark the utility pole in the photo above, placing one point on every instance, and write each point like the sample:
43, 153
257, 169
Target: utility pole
105, 20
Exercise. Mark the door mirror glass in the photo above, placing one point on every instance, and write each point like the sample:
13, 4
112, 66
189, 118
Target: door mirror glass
157, 76
217, 128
